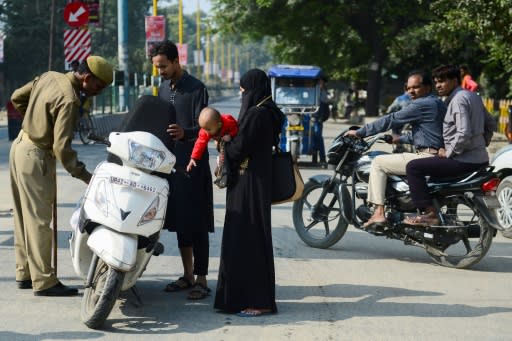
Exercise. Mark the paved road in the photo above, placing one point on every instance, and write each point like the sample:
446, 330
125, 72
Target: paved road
363, 288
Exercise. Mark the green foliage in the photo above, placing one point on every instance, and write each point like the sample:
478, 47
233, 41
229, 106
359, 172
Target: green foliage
26, 45
26, 28
486, 27
345, 37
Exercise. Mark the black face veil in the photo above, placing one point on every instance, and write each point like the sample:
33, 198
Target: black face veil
256, 87
257, 90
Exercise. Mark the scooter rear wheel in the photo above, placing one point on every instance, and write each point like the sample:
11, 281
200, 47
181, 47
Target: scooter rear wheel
99, 299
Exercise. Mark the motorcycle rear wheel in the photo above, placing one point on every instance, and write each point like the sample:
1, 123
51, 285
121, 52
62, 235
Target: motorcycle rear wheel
467, 251
99, 299
313, 225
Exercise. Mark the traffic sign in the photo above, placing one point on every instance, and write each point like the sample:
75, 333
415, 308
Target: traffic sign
155, 28
182, 53
76, 14
77, 45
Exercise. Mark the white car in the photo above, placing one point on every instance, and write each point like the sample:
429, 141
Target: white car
502, 162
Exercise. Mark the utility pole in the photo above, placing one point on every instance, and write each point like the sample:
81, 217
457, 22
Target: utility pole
180, 22
52, 24
207, 59
198, 40
122, 51
155, 72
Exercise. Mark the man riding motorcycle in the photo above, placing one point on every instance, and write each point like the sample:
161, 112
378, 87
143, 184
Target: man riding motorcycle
425, 114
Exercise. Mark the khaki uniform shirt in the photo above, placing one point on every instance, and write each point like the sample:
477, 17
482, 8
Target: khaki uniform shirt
50, 108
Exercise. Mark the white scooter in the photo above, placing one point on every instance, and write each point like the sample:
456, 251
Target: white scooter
117, 226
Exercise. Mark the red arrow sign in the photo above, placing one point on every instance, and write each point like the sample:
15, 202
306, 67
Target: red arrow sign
76, 14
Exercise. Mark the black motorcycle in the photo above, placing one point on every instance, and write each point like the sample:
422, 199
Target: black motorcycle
466, 206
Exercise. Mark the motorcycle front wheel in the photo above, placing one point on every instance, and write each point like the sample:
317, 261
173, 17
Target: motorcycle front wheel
99, 299
466, 249
319, 224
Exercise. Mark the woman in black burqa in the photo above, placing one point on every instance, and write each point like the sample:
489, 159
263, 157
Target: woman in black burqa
246, 283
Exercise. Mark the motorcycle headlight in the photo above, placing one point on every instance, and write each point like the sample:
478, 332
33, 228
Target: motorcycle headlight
294, 120
145, 157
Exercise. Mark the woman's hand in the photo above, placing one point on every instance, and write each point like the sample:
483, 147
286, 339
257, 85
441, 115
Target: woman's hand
191, 164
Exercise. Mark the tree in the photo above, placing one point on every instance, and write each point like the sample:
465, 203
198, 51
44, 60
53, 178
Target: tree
486, 26
26, 28
346, 38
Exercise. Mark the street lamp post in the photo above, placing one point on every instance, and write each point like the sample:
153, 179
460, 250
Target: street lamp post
154, 71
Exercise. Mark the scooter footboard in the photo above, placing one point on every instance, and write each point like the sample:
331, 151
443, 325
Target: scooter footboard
118, 250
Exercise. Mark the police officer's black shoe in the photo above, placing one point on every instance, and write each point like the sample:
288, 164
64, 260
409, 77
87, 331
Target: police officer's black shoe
58, 289
26, 284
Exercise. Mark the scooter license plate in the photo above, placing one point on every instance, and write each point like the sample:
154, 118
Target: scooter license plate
295, 128
133, 184
491, 202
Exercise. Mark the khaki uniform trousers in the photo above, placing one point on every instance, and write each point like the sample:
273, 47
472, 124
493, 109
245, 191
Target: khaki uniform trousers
392, 164
32, 172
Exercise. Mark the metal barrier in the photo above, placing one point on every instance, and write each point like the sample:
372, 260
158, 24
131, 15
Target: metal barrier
501, 107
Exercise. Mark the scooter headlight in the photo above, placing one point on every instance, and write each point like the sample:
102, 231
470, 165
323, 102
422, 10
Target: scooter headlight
294, 120
145, 157
150, 213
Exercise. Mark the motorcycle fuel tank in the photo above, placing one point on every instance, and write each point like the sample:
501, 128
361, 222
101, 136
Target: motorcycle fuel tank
364, 165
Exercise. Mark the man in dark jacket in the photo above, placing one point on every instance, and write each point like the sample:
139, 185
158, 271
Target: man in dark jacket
192, 214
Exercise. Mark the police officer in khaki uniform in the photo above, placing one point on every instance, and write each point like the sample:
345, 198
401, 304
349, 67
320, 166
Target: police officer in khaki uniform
50, 106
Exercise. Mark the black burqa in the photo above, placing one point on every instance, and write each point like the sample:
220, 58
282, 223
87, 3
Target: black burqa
153, 115
246, 273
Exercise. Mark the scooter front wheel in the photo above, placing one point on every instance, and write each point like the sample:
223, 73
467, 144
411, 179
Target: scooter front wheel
319, 224
99, 299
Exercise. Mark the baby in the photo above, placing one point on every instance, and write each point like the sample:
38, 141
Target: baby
220, 128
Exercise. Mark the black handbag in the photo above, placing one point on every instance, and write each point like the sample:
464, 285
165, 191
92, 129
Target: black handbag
287, 183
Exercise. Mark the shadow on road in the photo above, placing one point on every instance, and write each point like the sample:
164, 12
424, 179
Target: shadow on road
164, 313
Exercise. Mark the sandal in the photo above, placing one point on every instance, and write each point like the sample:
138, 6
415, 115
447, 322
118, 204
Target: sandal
375, 223
198, 292
422, 220
180, 284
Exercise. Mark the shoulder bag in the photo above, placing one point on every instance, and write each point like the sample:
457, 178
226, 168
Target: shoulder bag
287, 183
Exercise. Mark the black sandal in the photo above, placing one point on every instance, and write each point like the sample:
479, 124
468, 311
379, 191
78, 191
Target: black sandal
180, 284
199, 292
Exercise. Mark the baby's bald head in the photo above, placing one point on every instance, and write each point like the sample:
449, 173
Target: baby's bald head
209, 120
